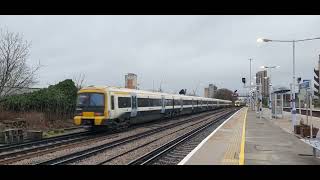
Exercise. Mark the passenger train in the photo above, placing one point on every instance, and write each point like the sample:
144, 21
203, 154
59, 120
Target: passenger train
120, 107
239, 103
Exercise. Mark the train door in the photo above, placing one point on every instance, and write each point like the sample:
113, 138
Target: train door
173, 103
181, 102
112, 110
163, 105
197, 105
192, 104
133, 105
172, 110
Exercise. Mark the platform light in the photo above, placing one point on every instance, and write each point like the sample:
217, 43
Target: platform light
261, 40
293, 97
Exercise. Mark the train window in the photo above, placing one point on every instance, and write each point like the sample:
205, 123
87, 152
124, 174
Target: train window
112, 102
158, 102
150, 102
124, 102
155, 102
143, 102
168, 102
96, 99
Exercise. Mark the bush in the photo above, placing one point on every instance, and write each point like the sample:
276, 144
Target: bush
55, 101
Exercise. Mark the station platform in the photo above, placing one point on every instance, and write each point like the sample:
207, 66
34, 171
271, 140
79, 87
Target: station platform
246, 139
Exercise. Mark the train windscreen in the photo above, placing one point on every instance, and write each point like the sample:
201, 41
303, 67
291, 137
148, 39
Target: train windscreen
90, 102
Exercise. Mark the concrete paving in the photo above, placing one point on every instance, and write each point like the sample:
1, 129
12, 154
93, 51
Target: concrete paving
267, 144
221, 147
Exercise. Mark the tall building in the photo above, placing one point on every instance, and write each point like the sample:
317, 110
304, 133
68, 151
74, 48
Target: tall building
263, 77
210, 91
206, 92
131, 81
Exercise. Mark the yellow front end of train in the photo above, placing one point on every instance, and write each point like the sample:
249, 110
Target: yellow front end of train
92, 107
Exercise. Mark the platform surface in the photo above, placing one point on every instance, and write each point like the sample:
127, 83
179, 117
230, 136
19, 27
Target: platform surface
220, 147
268, 144
247, 139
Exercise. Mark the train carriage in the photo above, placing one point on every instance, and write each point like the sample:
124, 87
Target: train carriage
114, 106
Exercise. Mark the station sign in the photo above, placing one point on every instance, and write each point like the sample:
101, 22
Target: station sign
306, 84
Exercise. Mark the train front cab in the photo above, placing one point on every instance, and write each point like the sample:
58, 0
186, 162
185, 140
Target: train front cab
92, 107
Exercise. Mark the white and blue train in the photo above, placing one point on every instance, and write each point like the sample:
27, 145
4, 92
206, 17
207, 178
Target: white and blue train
114, 106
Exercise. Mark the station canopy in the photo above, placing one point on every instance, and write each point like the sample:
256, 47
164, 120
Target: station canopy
280, 90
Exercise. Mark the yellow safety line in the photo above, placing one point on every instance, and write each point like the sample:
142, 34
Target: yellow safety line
241, 156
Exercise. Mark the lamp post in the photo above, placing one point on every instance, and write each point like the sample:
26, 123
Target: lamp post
270, 85
259, 93
293, 99
250, 87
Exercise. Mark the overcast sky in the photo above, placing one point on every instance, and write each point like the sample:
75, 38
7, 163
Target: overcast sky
181, 51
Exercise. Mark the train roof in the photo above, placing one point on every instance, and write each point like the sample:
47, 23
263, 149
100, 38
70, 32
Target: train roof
138, 91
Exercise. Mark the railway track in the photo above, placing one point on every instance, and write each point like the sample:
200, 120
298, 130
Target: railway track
13, 153
157, 153
7, 148
80, 155
16, 152
54, 140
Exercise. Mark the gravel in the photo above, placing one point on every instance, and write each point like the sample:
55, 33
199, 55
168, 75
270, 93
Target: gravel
181, 151
100, 141
158, 138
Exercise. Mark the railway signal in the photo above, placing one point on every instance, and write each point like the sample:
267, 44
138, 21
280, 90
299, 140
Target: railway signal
235, 94
299, 79
183, 91
244, 80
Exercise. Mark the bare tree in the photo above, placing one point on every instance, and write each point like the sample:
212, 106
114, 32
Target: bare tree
78, 80
15, 74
